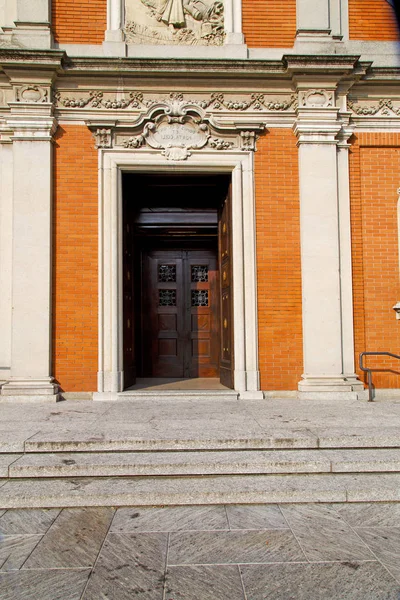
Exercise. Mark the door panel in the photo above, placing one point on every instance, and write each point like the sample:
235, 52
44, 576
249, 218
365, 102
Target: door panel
180, 313
163, 314
202, 270
128, 298
225, 258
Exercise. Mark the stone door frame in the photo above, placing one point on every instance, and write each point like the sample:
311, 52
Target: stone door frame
240, 164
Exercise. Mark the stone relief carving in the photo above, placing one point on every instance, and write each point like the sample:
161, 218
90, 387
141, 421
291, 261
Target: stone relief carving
216, 101
103, 137
174, 127
31, 93
248, 140
220, 144
384, 108
316, 99
184, 22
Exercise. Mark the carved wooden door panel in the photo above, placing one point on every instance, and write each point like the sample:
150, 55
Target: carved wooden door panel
128, 299
201, 268
163, 315
180, 314
226, 290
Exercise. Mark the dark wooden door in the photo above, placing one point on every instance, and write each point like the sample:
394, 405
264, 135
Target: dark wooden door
180, 314
128, 298
226, 287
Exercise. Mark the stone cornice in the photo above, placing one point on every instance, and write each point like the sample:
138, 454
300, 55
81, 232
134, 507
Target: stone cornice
26, 59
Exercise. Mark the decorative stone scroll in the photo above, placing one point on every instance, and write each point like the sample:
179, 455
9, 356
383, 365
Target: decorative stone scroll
183, 22
31, 94
316, 99
176, 127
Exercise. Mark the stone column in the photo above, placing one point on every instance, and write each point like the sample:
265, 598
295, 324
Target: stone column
321, 193
33, 126
30, 26
115, 21
313, 17
6, 185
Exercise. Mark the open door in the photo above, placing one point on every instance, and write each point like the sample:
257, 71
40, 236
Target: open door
226, 287
128, 297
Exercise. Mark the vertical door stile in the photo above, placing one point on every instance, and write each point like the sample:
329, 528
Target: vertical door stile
226, 288
128, 297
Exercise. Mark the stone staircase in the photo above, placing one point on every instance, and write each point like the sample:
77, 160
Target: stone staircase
79, 469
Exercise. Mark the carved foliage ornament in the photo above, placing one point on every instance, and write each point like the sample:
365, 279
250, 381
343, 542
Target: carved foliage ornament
384, 108
176, 22
216, 101
103, 137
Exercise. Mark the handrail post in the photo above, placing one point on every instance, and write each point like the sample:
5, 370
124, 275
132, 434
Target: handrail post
369, 376
369, 371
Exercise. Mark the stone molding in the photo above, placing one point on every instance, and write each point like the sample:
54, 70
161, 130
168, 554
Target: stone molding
215, 102
175, 128
384, 107
241, 167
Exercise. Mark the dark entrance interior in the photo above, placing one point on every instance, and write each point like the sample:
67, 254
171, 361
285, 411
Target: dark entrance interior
177, 277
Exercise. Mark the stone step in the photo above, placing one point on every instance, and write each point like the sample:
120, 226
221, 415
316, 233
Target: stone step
239, 489
118, 464
141, 437
176, 395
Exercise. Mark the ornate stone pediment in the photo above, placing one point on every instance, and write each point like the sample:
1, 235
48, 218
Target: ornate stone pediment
175, 127
184, 22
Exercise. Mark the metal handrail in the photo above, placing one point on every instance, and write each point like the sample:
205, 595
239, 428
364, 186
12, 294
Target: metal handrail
369, 371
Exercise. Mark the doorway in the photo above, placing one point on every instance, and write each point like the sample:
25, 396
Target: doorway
176, 307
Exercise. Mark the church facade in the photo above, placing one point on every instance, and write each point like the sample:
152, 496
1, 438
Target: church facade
198, 189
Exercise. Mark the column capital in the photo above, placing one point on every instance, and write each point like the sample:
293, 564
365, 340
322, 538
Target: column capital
28, 127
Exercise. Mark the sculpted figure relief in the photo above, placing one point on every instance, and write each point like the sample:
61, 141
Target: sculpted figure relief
175, 22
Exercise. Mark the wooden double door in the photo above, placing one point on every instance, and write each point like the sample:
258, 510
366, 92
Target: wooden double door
180, 313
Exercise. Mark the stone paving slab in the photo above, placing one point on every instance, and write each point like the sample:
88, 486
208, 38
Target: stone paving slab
44, 585
74, 540
323, 581
130, 566
323, 535
222, 582
14, 522
172, 518
264, 548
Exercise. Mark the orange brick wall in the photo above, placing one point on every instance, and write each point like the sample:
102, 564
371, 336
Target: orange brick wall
375, 167
268, 23
75, 284
278, 261
79, 21
372, 20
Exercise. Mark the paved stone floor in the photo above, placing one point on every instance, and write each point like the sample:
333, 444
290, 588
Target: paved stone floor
238, 552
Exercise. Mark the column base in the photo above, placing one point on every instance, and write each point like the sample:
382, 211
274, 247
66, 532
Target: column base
117, 49
32, 390
342, 387
251, 395
105, 396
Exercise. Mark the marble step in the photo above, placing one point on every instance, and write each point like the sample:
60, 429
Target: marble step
240, 489
118, 464
141, 437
